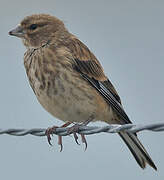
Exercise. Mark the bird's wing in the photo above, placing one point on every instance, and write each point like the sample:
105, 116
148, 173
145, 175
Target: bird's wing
91, 70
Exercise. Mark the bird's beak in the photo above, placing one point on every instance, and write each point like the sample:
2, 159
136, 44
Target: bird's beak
18, 32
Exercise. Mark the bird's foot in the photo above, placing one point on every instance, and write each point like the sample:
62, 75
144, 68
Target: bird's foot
74, 130
50, 132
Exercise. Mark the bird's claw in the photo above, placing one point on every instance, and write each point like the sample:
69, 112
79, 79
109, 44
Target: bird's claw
60, 143
74, 129
49, 132
84, 141
76, 138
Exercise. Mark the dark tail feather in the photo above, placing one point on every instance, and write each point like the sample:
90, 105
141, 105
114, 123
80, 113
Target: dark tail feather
137, 149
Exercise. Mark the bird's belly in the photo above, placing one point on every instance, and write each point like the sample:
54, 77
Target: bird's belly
66, 105
68, 97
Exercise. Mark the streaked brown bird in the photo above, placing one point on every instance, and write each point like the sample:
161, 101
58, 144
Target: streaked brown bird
69, 82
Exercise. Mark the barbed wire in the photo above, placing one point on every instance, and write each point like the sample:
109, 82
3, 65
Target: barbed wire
87, 130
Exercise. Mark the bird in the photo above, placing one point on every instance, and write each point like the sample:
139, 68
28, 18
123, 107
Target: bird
69, 81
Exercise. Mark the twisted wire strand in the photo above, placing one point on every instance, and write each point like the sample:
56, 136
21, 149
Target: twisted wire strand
87, 130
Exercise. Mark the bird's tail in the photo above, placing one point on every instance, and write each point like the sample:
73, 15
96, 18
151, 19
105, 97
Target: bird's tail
137, 149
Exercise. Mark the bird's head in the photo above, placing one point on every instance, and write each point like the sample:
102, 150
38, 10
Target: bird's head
39, 29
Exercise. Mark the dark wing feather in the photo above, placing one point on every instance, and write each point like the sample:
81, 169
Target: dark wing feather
105, 88
110, 87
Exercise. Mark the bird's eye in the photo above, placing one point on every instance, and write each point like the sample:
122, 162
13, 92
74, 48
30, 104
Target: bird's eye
33, 26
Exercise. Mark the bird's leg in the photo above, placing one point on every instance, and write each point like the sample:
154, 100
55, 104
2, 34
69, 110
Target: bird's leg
50, 131
75, 128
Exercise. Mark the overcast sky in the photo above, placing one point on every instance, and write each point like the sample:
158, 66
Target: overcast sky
128, 39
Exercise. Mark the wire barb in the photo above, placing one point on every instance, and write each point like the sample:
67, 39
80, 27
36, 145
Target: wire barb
87, 130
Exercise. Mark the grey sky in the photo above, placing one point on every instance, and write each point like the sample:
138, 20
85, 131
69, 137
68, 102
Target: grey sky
128, 39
